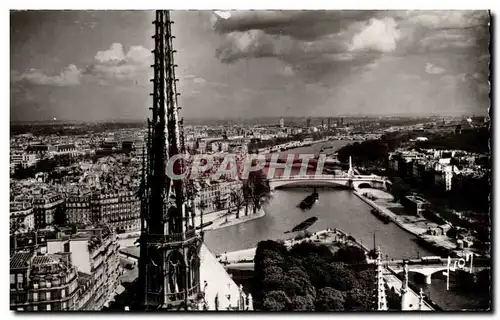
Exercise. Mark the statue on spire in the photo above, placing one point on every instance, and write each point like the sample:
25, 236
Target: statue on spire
405, 294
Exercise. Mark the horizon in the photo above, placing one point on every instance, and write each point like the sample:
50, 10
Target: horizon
247, 64
269, 118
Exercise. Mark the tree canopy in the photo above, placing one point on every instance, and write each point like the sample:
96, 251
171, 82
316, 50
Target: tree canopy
309, 277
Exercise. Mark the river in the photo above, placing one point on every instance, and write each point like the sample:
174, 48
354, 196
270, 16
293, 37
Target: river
336, 208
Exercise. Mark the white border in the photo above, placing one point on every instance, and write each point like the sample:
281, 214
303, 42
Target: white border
197, 4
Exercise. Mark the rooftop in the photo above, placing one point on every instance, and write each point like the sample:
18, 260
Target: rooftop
20, 260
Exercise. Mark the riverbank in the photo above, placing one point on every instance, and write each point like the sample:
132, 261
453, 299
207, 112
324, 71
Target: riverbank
328, 237
221, 222
414, 225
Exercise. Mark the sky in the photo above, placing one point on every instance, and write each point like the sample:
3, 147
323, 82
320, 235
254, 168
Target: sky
96, 65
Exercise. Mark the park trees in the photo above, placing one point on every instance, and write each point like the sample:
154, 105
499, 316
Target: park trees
310, 277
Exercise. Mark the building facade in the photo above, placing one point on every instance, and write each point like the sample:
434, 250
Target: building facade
45, 282
216, 196
45, 209
94, 253
22, 217
121, 211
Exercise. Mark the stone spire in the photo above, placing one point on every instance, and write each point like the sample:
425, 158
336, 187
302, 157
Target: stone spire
381, 295
405, 294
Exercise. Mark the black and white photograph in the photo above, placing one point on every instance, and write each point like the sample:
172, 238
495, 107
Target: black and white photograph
250, 161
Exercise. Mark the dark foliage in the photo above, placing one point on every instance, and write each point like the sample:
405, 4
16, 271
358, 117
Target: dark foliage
309, 277
350, 255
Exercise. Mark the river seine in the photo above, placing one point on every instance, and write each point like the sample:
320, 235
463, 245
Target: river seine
337, 208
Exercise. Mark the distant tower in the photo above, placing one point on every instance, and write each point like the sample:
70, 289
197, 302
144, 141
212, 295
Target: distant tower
329, 124
322, 124
169, 264
308, 123
381, 295
282, 123
405, 294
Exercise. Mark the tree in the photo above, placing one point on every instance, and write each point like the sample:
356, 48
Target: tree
275, 301
341, 278
238, 200
330, 299
359, 300
350, 255
256, 190
218, 202
302, 303
399, 188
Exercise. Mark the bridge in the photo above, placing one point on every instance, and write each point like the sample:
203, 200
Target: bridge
428, 269
326, 180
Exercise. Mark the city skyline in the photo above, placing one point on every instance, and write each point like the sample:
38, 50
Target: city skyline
95, 65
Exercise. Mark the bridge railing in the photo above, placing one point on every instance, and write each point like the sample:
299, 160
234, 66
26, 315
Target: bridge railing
327, 176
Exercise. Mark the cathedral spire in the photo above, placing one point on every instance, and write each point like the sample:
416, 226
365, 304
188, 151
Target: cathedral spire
169, 269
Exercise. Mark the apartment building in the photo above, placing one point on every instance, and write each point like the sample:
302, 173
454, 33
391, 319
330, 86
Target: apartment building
22, 217
121, 210
216, 196
94, 253
45, 208
42, 282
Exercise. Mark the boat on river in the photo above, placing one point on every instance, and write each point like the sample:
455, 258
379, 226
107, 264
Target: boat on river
309, 201
381, 216
304, 225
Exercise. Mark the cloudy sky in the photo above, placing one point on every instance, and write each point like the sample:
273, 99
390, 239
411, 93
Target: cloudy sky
95, 65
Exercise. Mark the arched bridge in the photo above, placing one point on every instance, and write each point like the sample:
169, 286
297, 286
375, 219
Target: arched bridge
427, 270
325, 180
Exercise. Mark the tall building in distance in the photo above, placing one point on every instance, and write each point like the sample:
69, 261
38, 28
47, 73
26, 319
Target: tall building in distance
169, 267
308, 123
282, 123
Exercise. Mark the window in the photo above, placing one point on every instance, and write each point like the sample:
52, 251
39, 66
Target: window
35, 285
64, 305
20, 278
63, 293
48, 307
12, 278
48, 295
35, 308
35, 296
49, 284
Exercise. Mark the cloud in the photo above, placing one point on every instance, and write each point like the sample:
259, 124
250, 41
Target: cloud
114, 64
323, 41
70, 76
432, 69
377, 35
